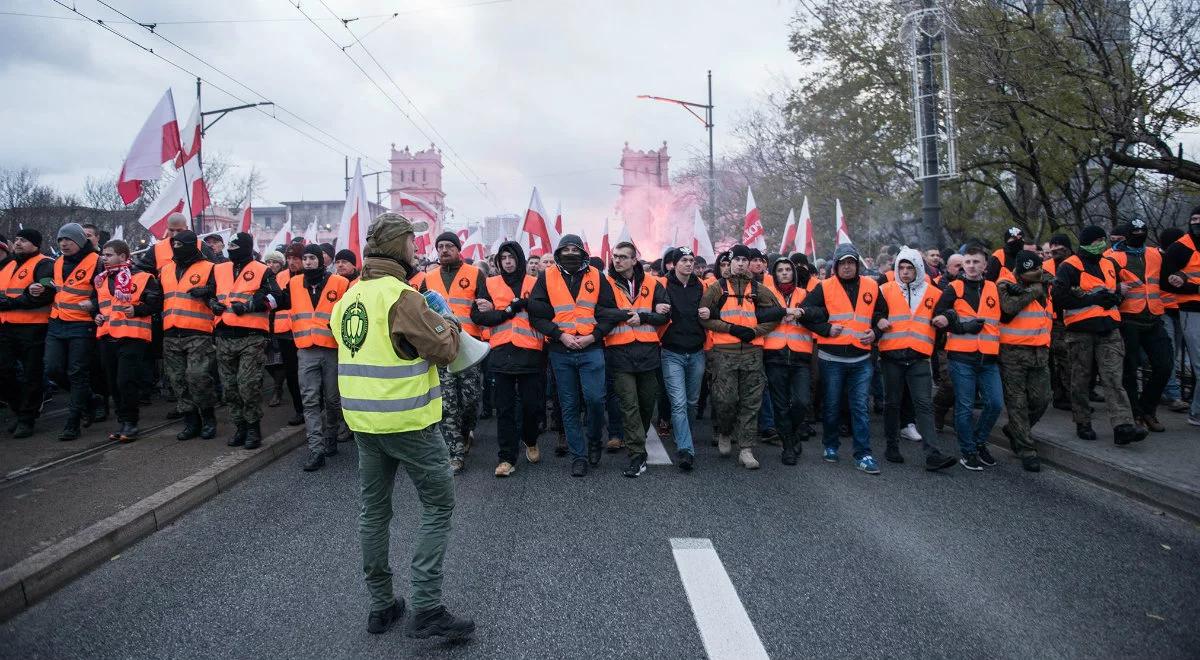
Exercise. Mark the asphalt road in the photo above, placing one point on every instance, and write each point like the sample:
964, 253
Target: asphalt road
827, 562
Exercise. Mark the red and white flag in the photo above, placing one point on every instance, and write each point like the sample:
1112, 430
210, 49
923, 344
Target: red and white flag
752, 229
701, 243
282, 237
310, 234
558, 220
156, 143
189, 137
605, 246
463, 235
246, 213
843, 231
788, 244
805, 242
176, 197
356, 217
473, 247
539, 231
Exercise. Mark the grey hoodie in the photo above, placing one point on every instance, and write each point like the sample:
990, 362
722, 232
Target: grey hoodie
916, 290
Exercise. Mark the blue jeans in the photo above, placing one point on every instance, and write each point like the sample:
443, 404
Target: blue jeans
967, 376
576, 372
1173, 392
682, 374
855, 379
766, 414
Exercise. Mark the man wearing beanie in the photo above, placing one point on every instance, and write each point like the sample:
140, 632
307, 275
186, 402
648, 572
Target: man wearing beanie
244, 298
153, 260
1025, 323
1060, 377
459, 283
328, 256
741, 314
1088, 288
1181, 278
1142, 327
573, 305
1002, 260
189, 355
389, 343
281, 333
345, 263
309, 299
23, 321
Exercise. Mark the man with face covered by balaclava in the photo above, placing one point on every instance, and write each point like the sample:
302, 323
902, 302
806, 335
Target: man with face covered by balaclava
1002, 260
189, 354
1025, 326
245, 293
1181, 277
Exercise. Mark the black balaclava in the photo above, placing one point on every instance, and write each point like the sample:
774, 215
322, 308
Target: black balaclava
313, 276
183, 247
1136, 236
241, 248
1193, 229
1014, 241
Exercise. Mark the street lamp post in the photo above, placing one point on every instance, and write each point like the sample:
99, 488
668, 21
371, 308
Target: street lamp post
707, 120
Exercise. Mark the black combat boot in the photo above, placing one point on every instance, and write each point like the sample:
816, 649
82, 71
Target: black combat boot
440, 623
239, 436
70, 430
191, 426
892, 453
208, 424
253, 436
791, 448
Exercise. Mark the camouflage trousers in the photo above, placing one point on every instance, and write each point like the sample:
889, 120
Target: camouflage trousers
188, 363
1060, 357
461, 393
1025, 371
240, 362
737, 386
1105, 356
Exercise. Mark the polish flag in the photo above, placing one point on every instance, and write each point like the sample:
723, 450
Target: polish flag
119, 233
156, 143
463, 235
473, 247
843, 232
189, 138
540, 233
246, 213
701, 243
752, 229
805, 242
558, 220
417, 204
625, 236
282, 237
605, 247
788, 244
356, 217
586, 248
310, 234
175, 197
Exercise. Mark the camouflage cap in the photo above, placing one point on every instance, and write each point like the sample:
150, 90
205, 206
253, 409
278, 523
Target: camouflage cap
385, 233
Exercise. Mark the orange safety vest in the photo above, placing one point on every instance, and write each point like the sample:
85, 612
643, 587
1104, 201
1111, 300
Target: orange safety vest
181, 310
119, 324
282, 322
517, 330
417, 280
988, 339
1090, 283
1146, 293
1004, 271
738, 310
1031, 326
623, 333
73, 291
1050, 266
460, 296
574, 316
853, 319
248, 282
310, 327
909, 330
792, 336
1190, 271
13, 283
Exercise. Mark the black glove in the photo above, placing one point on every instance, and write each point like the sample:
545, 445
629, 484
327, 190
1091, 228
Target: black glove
971, 327
6, 303
517, 304
1109, 299
238, 308
199, 292
742, 332
216, 307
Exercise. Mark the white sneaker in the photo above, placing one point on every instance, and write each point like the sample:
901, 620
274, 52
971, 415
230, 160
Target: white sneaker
747, 460
724, 446
1193, 420
910, 433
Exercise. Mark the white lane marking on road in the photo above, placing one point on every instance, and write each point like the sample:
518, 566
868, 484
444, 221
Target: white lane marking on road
724, 626
656, 454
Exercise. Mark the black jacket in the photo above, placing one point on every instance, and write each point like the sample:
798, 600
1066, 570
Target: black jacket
784, 355
151, 299
816, 317
541, 312
685, 334
1174, 260
972, 291
43, 272
637, 356
508, 358
1066, 294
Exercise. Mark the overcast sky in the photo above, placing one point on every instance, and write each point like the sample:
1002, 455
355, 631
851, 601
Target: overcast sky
527, 92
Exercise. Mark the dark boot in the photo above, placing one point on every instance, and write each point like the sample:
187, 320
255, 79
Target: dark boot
253, 436
296, 420
239, 436
1084, 431
437, 622
24, 429
892, 453
560, 446
791, 449
316, 460
174, 414
208, 424
191, 426
70, 430
129, 432
100, 412
804, 432
593, 453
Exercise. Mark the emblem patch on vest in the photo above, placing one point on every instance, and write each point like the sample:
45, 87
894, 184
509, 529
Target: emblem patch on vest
644, 292
354, 327
79, 274
589, 286
991, 302
23, 273
929, 303
195, 278
331, 296
867, 297
248, 275
464, 283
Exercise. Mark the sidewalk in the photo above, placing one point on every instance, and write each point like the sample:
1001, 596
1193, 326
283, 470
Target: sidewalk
1163, 469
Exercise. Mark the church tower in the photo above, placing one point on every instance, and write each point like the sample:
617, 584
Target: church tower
417, 174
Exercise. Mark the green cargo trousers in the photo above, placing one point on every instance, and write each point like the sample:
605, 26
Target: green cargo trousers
637, 394
425, 458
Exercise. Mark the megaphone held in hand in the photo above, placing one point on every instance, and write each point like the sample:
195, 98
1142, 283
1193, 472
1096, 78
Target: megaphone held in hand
471, 351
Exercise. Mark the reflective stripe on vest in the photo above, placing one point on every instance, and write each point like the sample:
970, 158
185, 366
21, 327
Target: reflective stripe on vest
460, 296
1090, 284
737, 310
574, 316
1030, 327
281, 320
1190, 271
854, 320
229, 291
792, 336
14, 281
119, 325
987, 341
179, 309
623, 333
73, 290
517, 330
909, 330
310, 327
1145, 292
381, 392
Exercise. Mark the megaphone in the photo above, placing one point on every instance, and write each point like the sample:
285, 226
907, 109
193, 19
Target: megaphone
471, 351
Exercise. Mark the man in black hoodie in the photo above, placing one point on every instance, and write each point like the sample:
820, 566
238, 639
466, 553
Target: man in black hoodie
573, 305
71, 333
189, 355
515, 360
683, 352
23, 331
1002, 260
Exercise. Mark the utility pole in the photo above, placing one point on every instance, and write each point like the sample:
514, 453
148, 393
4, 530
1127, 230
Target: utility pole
220, 112
707, 120
931, 204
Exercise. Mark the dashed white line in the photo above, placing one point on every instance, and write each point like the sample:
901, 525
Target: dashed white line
725, 627
656, 454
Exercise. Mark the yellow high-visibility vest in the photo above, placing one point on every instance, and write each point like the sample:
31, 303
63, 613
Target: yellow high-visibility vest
381, 393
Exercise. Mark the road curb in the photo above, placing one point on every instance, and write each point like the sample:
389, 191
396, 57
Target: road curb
1176, 498
41, 574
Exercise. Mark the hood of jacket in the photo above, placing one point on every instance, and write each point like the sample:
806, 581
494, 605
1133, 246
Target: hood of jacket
916, 290
518, 275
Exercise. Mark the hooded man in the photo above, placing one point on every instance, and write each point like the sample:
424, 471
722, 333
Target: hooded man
1142, 326
787, 357
189, 355
839, 311
245, 294
23, 321
1181, 279
515, 360
461, 285
1025, 328
903, 317
389, 345
1060, 378
573, 306
1088, 289
742, 313
71, 332
309, 300
1002, 260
